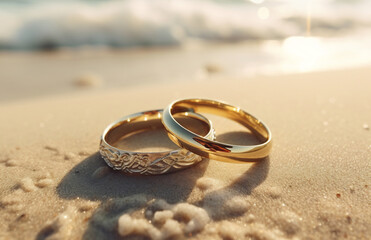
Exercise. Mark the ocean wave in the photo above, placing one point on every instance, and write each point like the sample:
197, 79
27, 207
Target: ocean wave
48, 25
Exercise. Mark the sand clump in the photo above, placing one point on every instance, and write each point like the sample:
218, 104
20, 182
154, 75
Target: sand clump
334, 217
195, 217
87, 206
69, 156
10, 199
43, 175
260, 231
162, 216
165, 220
237, 231
84, 153
13, 201
171, 228
289, 222
46, 182
219, 202
207, 184
236, 206
229, 230
27, 184
4, 159
11, 163
223, 203
128, 225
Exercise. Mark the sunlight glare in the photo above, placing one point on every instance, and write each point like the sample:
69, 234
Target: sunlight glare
305, 51
257, 1
263, 13
309, 17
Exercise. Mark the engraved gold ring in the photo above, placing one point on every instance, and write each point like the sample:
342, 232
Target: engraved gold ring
208, 147
148, 163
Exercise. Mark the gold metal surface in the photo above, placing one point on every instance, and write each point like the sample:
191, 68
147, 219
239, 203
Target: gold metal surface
212, 149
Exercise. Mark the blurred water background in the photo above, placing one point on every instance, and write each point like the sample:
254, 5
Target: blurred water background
49, 24
175, 39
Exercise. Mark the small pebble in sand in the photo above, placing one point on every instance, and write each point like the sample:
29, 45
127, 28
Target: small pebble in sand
162, 216
338, 195
212, 68
22, 217
101, 172
69, 156
206, 183
27, 184
11, 163
197, 216
171, 229
349, 219
87, 206
366, 127
352, 190
84, 153
88, 80
43, 175
52, 148
46, 182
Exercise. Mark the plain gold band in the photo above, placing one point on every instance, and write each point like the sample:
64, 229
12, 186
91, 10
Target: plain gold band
213, 149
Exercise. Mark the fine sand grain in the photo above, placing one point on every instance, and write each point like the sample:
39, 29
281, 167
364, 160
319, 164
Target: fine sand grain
314, 185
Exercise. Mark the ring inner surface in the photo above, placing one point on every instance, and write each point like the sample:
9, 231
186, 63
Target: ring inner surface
147, 131
223, 110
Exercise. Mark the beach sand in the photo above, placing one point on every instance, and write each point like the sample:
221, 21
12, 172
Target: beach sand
314, 185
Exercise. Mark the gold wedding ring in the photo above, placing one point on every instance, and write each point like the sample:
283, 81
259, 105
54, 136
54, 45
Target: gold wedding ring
148, 162
209, 148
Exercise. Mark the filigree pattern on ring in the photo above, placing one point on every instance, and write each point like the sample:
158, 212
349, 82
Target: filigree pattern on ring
139, 162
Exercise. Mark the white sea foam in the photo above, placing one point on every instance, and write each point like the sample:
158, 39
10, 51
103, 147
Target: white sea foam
49, 24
